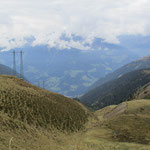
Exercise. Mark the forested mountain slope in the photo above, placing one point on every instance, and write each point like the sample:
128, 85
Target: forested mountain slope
135, 65
118, 90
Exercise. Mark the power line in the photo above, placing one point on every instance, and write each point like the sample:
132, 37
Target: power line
39, 83
21, 65
43, 84
14, 63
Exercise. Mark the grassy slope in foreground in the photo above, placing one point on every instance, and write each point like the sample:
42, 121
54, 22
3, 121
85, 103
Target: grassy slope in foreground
95, 138
130, 121
99, 135
37, 107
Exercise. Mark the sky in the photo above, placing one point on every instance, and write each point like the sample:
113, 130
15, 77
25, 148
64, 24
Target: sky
48, 20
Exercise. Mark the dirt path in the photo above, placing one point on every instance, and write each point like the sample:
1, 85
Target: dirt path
117, 110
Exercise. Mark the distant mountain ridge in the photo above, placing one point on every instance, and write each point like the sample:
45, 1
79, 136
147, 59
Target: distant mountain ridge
117, 90
70, 71
4, 70
135, 65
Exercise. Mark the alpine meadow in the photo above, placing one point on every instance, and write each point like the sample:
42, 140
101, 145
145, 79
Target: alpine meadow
74, 75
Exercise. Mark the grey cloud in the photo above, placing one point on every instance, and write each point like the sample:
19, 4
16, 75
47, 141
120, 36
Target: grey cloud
47, 20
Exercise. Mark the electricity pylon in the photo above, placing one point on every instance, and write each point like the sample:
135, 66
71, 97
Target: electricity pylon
14, 63
43, 84
39, 83
21, 65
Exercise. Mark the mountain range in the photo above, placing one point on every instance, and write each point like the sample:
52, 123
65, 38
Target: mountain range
71, 71
5, 70
119, 86
135, 65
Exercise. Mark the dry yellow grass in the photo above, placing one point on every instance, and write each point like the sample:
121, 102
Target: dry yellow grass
93, 138
133, 124
98, 134
40, 108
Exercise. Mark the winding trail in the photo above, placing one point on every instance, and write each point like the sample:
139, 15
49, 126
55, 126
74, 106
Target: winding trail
117, 110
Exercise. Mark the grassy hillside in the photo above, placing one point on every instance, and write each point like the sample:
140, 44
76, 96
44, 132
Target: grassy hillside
100, 133
129, 121
135, 65
143, 93
118, 90
33, 119
37, 107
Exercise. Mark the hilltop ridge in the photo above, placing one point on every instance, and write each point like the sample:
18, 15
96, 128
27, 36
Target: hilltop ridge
38, 107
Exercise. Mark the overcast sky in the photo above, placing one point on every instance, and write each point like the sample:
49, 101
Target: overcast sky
47, 20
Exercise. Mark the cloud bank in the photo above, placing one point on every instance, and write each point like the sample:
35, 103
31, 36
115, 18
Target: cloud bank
48, 20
